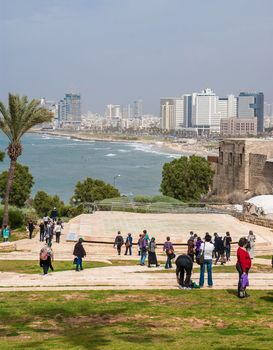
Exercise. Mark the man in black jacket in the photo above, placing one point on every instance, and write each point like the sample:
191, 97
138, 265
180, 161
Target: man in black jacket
80, 253
119, 242
184, 266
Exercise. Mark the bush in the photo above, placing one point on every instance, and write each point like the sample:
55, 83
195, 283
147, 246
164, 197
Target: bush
165, 199
16, 218
142, 199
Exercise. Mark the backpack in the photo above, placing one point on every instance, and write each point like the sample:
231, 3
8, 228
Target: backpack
43, 254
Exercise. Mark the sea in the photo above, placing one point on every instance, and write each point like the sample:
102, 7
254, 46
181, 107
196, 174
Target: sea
57, 163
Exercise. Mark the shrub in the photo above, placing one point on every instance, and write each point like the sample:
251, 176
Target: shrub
142, 198
165, 199
16, 218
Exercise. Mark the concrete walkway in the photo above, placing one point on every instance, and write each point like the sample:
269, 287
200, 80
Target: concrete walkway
119, 277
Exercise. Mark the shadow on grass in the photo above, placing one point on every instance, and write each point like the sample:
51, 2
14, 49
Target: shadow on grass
268, 297
232, 292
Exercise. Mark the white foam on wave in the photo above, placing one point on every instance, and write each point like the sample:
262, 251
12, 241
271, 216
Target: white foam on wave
147, 148
124, 150
101, 148
110, 155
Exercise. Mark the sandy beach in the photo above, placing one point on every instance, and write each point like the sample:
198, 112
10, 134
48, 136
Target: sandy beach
185, 146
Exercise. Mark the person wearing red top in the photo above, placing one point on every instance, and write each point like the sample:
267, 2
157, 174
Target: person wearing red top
243, 264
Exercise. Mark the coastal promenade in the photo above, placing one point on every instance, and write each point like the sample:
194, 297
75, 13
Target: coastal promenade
103, 226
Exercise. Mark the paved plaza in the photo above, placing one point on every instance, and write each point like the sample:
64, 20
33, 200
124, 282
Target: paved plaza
102, 226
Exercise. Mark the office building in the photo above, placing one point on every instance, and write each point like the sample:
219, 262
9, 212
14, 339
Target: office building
69, 109
238, 126
138, 109
113, 111
204, 110
251, 105
172, 113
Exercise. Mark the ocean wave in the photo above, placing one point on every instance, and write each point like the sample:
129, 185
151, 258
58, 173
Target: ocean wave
147, 148
124, 150
110, 155
101, 148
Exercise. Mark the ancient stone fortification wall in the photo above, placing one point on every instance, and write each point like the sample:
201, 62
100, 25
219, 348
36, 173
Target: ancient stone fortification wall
254, 220
243, 166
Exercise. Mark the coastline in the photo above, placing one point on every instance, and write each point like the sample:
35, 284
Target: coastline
188, 147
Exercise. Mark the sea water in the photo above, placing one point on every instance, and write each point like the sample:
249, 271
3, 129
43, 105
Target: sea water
58, 163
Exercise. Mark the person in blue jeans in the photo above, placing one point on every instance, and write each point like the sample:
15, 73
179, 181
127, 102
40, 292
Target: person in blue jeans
143, 243
207, 249
80, 253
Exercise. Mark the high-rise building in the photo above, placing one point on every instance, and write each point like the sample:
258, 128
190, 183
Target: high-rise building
251, 105
138, 109
69, 109
172, 113
113, 111
187, 110
204, 110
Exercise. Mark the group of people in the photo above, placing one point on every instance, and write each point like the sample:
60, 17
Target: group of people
202, 251
221, 250
49, 227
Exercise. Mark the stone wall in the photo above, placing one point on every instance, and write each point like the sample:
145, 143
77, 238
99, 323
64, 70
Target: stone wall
254, 220
243, 166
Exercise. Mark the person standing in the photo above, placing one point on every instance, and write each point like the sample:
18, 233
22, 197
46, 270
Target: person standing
128, 244
197, 246
191, 248
30, 228
119, 241
227, 245
146, 235
243, 265
143, 249
42, 231
152, 259
80, 253
6, 233
138, 244
219, 250
207, 249
251, 238
169, 250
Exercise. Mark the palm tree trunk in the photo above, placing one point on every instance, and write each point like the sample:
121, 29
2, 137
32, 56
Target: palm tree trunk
8, 190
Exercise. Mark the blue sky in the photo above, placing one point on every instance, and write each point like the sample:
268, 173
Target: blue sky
116, 51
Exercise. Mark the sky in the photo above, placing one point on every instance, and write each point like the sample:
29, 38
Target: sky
117, 51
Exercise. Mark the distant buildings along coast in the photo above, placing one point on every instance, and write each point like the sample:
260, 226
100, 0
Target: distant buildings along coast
206, 112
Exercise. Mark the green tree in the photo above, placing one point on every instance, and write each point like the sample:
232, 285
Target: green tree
91, 190
22, 185
186, 179
15, 120
44, 203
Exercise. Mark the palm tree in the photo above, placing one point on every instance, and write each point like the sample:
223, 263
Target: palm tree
15, 121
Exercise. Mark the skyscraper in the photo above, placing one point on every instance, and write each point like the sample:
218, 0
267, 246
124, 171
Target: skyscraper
251, 105
138, 109
69, 110
204, 110
172, 113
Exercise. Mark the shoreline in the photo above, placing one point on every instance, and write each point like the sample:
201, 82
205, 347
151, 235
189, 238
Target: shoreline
186, 148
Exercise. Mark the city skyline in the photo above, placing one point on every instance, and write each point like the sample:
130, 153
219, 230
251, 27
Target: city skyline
120, 51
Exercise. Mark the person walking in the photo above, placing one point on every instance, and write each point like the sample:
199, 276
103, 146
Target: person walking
58, 231
119, 241
6, 233
191, 248
227, 245
207, 250
30, 228
79, 253
152, 259
251, 238
54, 214
128, 244
143, 249
46, 258
42, 231
243, 266
169, 250
146, 235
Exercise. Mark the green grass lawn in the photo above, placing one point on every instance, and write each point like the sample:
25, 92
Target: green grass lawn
264, 257
136, 320
32, 266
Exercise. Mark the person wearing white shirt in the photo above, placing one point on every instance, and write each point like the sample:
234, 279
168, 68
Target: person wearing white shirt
206, 249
